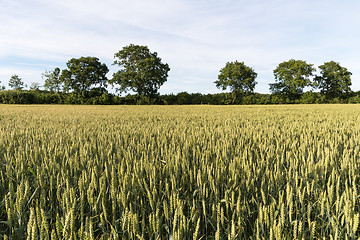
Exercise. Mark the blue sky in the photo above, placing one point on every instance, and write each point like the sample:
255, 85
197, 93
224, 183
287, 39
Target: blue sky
195, 37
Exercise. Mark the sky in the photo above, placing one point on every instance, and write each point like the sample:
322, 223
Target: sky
195, 37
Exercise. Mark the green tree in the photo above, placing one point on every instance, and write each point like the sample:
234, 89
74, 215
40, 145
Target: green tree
35, 86
141, 70
2, 87
53, 83
334, 81
83, 73
16, 83
291, 77
238, 77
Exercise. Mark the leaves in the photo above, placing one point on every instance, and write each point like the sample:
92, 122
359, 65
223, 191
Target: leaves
334, 80
291, 77
16, 83
83, 73
141, 71
238, 77
53, 83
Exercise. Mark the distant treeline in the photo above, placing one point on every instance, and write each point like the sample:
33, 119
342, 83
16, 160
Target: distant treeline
102, 97
85, 80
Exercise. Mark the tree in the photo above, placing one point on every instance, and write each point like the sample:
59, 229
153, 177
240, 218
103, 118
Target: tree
291, 77
53, 83
83, 73
238, 77
35, 86
16, 83
141, 71
334, 80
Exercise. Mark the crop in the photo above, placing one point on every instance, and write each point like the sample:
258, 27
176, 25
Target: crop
179, 172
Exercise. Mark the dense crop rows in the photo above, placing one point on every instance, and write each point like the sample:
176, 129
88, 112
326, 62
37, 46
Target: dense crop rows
154, 172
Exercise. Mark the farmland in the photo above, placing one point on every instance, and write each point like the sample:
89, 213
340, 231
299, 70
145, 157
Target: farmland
180, 172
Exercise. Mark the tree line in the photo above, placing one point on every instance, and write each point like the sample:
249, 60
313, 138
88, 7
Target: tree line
142, 72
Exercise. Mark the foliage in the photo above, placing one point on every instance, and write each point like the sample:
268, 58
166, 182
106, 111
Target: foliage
179, 172
16, 83
334, 81
100, 96
53, 83
291, 77
141, 71
17, 97
354, 97
35, 86
83, 73
238, 77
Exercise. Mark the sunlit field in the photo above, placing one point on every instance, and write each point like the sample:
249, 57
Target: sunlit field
179, 172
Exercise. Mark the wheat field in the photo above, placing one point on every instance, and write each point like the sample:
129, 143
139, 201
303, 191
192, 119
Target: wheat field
179, 172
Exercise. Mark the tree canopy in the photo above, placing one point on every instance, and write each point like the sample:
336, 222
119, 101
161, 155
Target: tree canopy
34, 86
334, 79
83, 73
238, 77
16, 82
53, 82
141, 70
291, 77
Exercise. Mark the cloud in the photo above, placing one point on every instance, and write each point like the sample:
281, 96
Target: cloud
196, 38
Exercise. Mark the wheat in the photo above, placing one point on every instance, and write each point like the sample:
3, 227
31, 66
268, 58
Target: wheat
244, 172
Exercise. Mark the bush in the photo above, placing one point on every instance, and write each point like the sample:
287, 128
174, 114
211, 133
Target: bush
100, 96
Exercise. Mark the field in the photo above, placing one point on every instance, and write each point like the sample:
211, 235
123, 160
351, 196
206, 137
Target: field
179, 172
